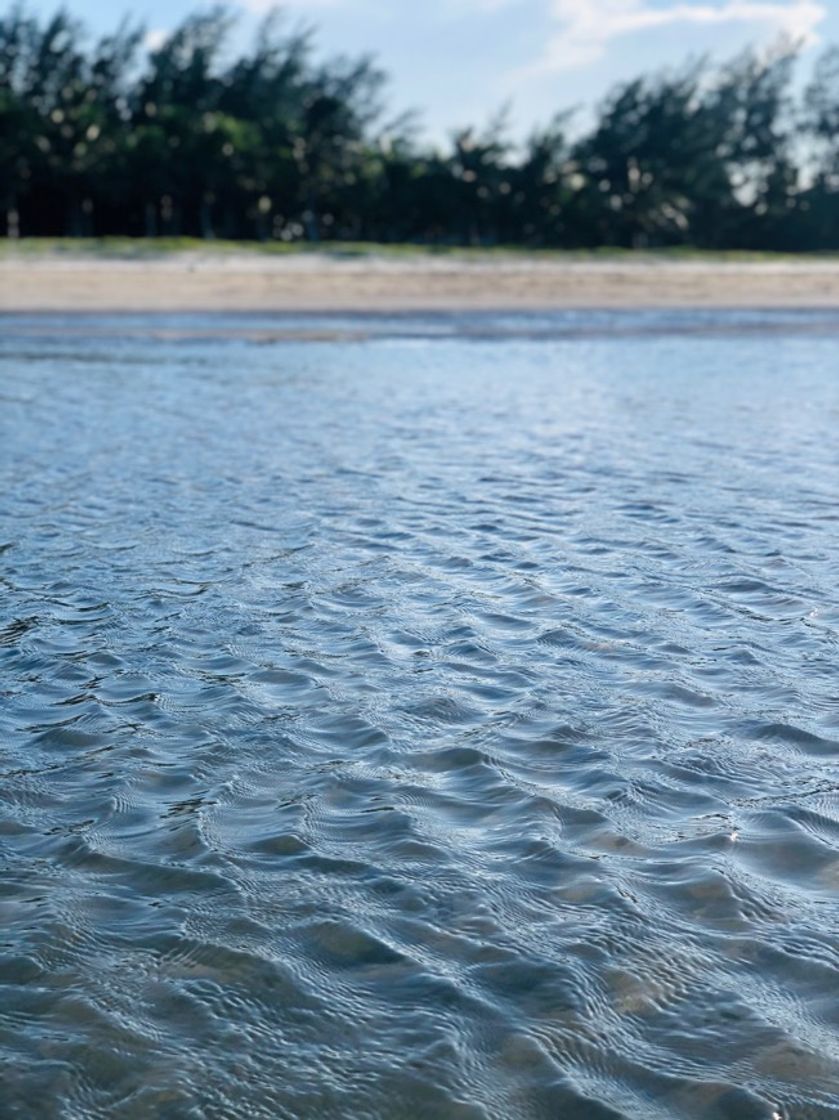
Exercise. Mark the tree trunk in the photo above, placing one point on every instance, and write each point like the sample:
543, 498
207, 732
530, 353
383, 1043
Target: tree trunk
310, 219
73, 225
206, 220
12, 220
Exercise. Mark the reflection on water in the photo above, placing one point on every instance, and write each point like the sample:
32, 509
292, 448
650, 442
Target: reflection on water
441, 724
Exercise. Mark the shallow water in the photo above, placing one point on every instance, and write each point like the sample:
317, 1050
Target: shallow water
419, 718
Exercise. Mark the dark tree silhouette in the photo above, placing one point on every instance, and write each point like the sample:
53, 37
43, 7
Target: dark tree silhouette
103, 137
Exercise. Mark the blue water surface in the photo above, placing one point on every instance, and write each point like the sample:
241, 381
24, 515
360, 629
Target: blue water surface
419, 718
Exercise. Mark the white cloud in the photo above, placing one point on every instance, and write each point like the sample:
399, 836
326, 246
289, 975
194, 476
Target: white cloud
586, 27
583, 29
155, 39
304, 5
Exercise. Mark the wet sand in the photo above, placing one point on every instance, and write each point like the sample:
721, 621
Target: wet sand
198, 281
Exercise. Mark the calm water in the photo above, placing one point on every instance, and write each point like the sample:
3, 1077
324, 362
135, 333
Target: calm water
410, 719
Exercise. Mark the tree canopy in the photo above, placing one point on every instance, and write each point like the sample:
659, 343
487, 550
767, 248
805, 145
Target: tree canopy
106, 137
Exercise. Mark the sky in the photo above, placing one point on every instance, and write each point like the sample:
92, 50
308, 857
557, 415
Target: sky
460, 61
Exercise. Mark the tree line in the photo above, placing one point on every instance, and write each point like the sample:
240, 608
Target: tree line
101, 137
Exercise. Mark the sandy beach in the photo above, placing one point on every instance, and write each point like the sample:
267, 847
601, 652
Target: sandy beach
213, 281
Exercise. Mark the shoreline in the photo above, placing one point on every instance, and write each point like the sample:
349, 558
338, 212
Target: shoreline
321, 282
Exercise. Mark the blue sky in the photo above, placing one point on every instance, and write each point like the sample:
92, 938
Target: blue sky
460, 60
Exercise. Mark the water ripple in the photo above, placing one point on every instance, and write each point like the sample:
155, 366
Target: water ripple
434, 720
